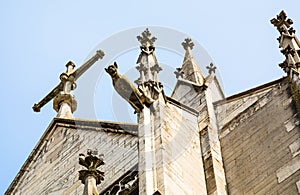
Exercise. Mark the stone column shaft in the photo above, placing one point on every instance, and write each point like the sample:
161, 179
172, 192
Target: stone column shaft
90, 187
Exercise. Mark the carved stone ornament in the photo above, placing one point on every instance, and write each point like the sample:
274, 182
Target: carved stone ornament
63, 97
151, 91
289, 44
281, 20
179, 73
125, 88
211, 68
288, 50
156, 68
188, 43
127, 184
146, 38
91, 162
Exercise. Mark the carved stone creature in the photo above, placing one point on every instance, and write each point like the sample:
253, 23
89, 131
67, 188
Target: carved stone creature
125, 88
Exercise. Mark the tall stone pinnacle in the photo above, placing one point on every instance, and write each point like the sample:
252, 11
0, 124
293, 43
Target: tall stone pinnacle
147, 62
288, 42
148, 67
190, 69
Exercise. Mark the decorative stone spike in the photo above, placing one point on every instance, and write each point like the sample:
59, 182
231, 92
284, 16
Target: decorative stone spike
289, 44
190, 68
148, 82
290, 48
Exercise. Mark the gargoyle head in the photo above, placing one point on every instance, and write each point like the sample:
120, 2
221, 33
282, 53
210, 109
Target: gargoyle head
112, 69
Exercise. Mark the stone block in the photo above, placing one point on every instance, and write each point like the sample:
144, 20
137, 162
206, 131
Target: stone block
288, 169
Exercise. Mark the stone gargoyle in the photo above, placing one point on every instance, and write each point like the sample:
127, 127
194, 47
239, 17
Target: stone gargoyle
125, 88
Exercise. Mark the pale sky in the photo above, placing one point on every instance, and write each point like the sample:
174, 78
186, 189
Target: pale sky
40, 37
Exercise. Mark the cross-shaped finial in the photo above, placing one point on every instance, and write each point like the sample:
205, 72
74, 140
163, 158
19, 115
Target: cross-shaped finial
188, 43
146, 38
280, 20
211, 68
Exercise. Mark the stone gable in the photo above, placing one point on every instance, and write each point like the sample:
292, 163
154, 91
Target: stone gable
52, 167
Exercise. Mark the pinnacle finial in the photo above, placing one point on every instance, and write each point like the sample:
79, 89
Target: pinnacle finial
178, 72
211, 68
146, 38
281, 20
188, 43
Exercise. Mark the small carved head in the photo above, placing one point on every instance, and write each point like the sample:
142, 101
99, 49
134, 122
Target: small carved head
112, 69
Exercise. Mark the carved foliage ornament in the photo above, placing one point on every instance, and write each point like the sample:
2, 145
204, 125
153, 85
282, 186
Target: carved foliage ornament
146, 38
211, 68
91, 162
188, 43
280, 20
179, 73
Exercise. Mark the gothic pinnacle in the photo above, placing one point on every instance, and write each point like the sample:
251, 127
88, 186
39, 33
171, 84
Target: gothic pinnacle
149, 68
288, 42
190, 69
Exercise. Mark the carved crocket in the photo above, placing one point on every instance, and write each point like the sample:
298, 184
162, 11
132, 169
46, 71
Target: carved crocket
125, 88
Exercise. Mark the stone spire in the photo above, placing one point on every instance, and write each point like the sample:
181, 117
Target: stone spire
91, 177
148, 67
190, 70
289, 44
290, 48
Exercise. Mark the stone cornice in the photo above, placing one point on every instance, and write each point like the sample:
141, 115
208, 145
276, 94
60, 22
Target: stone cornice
249, 92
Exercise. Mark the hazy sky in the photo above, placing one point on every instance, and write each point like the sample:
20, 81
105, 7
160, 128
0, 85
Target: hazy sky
40, 37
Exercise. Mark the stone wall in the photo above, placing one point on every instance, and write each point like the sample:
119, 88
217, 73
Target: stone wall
170, 155
260, 146
53, 166
184, 167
